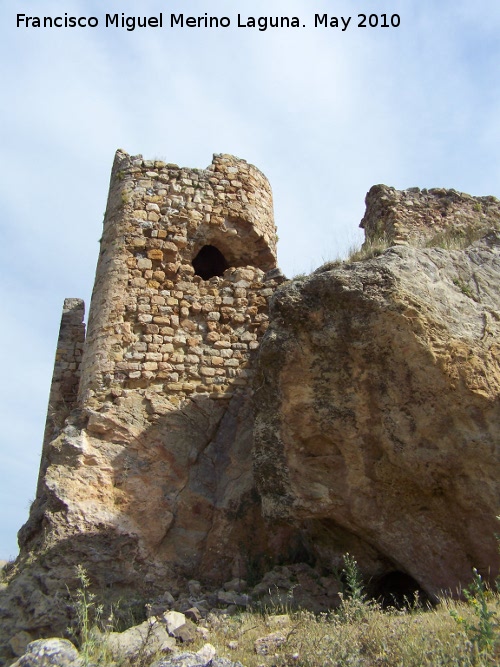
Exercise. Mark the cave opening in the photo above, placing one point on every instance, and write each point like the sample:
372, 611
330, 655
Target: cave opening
209, 262
398, 589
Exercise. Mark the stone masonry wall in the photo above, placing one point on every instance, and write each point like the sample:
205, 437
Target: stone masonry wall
66, 374
195, 338
70, 343
154, 322
427, 217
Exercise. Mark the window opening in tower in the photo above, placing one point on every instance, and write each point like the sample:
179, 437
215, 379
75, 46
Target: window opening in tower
209, 262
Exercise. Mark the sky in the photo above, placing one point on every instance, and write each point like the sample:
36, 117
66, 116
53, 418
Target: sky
324, 113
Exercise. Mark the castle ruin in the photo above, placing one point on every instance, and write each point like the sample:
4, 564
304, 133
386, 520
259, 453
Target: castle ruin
150, 412
190, 436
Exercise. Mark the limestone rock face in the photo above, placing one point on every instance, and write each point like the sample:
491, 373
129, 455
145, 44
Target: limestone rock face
143, 494
378, 413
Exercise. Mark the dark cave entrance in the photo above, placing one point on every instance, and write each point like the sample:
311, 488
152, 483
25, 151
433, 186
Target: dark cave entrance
398, 589
209, 262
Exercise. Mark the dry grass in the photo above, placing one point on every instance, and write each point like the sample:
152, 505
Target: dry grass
371, 248
451, 238
454, 238
360, 634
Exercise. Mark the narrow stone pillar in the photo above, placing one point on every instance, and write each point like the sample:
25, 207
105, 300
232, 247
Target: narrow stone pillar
66, 374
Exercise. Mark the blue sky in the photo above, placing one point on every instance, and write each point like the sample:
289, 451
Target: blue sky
324, 114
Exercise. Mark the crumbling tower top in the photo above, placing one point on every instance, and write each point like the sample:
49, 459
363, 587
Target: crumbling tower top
228, 206
174, 245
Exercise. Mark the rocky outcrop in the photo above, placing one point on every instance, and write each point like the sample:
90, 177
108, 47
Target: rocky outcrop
193, 438
141, 494
378, 413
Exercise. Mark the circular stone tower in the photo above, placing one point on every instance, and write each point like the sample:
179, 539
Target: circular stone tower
173, 242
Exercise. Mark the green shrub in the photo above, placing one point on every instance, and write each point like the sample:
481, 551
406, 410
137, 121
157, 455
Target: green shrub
484, 632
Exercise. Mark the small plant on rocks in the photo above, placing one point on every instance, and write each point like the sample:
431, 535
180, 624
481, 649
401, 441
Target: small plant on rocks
88, 616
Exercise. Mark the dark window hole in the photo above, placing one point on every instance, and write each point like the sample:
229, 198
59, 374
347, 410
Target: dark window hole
209, 262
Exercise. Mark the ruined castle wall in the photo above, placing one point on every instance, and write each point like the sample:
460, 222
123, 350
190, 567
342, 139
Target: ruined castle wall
152, 458
153, 321
66, 374
427, 217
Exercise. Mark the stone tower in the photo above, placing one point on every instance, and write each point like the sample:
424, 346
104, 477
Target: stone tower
146, 473
174, 306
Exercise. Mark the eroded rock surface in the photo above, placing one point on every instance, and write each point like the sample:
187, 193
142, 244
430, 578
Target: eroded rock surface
378, 413
52, 652
143, 495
